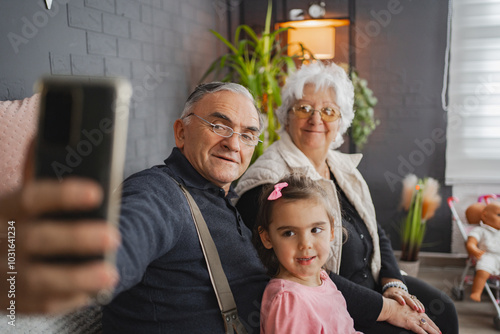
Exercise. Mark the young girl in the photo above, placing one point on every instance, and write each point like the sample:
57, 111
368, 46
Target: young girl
292, 238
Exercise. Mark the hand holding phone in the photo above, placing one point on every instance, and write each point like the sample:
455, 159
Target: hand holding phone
82, 133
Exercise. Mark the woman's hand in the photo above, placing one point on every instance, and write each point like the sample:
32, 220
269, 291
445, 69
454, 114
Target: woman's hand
403, 316
404, 298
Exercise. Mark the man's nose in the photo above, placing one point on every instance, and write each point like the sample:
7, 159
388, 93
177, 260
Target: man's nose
233, 143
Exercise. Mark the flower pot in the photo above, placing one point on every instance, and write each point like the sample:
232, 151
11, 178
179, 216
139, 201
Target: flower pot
410, 267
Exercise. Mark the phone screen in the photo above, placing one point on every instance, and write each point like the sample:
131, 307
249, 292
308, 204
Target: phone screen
56, 129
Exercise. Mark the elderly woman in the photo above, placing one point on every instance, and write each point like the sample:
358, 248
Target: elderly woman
317, 109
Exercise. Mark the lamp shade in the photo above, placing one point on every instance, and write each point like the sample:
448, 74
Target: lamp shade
321, 41
316, 35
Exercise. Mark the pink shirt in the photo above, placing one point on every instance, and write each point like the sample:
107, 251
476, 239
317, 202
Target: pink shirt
289, 307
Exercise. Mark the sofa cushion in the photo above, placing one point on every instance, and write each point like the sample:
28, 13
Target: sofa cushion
18, 120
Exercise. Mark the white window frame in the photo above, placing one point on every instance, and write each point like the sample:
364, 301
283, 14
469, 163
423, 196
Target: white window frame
473, 110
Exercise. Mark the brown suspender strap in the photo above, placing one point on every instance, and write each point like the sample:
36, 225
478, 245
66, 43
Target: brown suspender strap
217, 276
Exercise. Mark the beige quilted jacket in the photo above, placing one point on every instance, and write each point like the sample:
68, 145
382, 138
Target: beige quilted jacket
283, 157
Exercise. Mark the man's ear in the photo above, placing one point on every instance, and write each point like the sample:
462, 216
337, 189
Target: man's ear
179, 133
264, 237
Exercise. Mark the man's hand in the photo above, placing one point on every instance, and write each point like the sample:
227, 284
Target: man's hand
35, 286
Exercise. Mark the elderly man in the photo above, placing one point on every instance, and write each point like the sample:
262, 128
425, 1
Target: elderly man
163, 283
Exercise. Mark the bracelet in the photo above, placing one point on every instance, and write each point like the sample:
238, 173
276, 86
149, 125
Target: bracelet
395, 284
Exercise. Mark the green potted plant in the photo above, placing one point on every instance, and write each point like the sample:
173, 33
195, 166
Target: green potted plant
420, 198
260, 63
364, 121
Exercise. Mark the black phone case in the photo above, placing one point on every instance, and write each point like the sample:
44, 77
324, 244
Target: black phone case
82, 132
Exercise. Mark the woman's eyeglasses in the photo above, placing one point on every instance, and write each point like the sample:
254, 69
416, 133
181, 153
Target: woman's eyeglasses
328, 114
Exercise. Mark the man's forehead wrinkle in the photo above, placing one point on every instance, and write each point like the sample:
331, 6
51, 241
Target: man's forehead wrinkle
220, 101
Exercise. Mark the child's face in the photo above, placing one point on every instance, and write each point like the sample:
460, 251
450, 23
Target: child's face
300, 235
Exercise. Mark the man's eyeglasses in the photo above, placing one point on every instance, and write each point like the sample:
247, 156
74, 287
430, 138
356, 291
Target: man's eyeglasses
226, 132
328, 114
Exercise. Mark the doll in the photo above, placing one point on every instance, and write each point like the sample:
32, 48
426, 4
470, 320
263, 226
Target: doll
473, 212
484, 244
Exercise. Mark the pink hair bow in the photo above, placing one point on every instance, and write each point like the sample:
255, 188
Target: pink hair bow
277, 191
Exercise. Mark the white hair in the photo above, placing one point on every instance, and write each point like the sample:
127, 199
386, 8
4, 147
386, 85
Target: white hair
213, 87
322, 76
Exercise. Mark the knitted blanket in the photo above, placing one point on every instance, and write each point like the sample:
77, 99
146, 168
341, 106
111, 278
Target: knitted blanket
83, 321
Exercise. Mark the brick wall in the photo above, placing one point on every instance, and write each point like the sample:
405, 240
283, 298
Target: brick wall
162, 46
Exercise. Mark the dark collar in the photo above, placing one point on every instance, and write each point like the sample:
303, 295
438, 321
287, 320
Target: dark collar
182, 170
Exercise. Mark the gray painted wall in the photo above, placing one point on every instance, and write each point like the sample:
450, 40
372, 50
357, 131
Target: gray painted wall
400, 50
402, 56
162, 46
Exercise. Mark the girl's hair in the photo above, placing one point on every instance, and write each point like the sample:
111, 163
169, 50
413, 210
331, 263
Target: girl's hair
322, 76
300, 187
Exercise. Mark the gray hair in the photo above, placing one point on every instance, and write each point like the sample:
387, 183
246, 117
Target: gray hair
213, 87
321, 76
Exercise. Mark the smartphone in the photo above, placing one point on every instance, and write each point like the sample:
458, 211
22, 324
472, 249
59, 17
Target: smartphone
82, 132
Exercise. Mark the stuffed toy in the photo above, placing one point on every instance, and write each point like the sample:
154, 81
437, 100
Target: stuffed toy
484, 244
